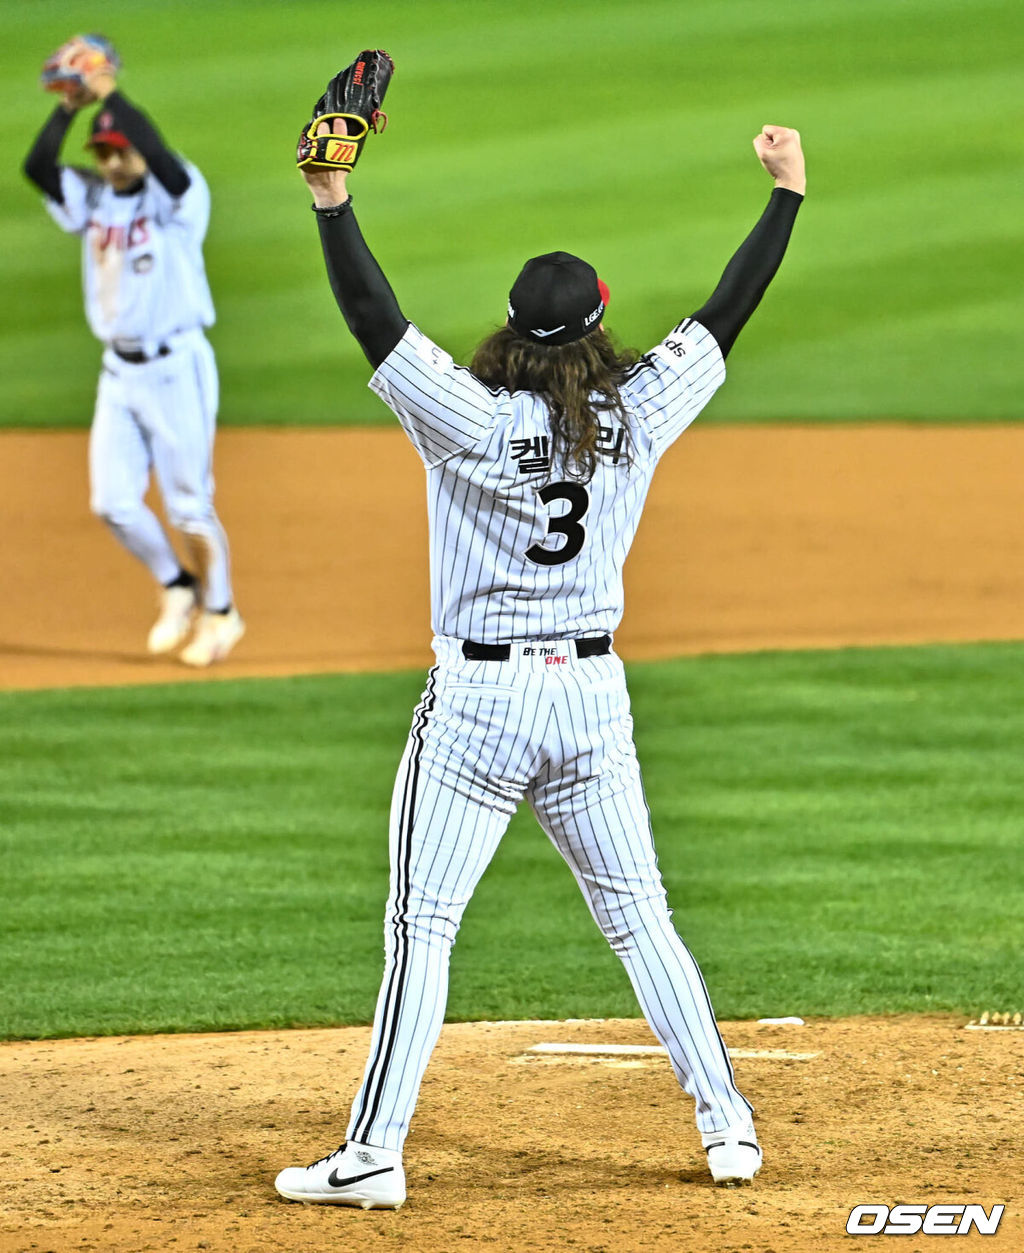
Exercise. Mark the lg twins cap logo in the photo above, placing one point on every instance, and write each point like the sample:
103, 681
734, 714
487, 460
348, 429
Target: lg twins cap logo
928, 1220
591, 318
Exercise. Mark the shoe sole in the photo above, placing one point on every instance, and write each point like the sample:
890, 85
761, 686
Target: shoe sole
737, 1181
355, 1202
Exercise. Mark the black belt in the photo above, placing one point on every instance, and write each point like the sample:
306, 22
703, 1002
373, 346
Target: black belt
594, 646
137, 357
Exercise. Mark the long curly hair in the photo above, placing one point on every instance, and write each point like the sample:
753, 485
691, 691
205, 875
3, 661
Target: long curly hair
578, 382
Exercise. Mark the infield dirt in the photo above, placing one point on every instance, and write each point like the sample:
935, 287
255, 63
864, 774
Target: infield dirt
173, 1142
753, 538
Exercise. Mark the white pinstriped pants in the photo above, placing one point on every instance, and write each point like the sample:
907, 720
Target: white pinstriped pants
486, 734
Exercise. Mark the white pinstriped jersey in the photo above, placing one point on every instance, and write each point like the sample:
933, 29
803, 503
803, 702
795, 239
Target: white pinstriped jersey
142, 261
517, 549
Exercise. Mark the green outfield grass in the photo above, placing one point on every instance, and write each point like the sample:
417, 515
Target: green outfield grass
839, 832
617, 130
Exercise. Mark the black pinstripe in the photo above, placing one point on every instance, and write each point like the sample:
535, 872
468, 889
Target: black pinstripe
378, 1065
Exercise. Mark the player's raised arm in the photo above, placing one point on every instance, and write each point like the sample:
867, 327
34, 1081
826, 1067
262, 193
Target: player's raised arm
84, 71
329, 147
42, 164
140, 132
755, 263
64, 74
100, 83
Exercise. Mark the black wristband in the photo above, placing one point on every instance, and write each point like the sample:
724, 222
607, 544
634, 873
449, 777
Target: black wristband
332, 210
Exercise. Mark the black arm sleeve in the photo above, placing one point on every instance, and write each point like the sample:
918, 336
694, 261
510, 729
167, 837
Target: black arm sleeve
41, 163
364, 295
751, 269
167, 169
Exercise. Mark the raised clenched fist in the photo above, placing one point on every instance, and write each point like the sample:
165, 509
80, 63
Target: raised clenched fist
779, 151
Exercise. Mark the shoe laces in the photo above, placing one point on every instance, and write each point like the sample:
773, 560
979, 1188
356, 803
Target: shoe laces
321, 1160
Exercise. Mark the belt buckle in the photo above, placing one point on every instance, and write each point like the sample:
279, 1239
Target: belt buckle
137, 356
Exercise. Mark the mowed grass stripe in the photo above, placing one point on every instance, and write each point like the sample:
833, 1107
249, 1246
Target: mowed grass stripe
839, 833
618, 131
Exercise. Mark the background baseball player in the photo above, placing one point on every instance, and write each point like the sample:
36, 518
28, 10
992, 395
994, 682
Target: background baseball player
142, 216
538, 461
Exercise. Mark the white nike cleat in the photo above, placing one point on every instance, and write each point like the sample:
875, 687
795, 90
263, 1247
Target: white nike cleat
355, 1174
216, 635
734, 1155
177, 607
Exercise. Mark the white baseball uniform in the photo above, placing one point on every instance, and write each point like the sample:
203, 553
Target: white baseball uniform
523, 555
147, 299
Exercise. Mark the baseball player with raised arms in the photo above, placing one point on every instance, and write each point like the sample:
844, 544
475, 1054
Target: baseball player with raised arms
538, 459
142, 215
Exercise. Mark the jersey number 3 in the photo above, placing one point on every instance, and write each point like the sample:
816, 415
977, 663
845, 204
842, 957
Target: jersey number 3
568, 524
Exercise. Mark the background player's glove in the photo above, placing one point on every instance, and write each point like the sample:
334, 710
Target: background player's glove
355, 94
67, 69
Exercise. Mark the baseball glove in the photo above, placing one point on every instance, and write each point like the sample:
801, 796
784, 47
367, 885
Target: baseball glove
73, 61
355, 94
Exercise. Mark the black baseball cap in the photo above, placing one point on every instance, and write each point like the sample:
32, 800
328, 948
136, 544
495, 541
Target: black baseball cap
556, 299
105, 131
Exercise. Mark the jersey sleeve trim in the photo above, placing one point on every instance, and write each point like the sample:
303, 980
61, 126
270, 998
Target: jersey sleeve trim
442, 406
670, 385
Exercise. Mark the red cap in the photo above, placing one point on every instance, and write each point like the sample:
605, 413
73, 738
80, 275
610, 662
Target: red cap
104, 131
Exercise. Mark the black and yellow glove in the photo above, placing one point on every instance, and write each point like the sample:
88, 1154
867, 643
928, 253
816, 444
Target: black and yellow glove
355, 95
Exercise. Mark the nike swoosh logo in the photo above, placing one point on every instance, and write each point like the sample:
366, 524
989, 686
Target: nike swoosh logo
335, 1182
538, 331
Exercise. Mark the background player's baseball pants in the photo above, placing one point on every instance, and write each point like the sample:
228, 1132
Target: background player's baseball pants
161, 416
486, 734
